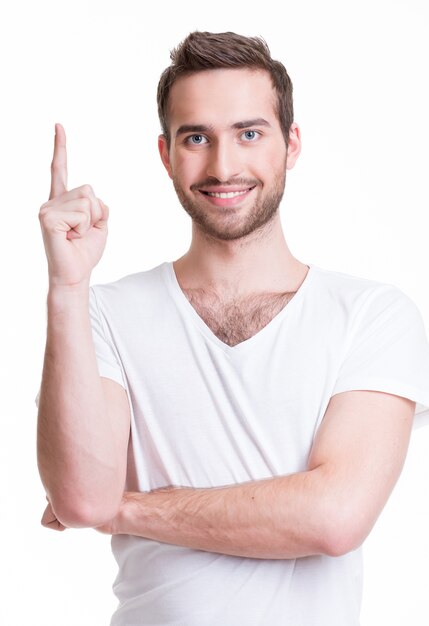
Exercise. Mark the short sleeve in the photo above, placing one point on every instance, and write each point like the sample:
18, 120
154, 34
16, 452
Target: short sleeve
108, 362
388, 351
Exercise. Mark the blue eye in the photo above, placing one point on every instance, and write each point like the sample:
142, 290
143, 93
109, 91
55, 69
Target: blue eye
196, 140
250, 134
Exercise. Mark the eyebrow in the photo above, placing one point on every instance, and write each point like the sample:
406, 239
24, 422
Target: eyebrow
202, 128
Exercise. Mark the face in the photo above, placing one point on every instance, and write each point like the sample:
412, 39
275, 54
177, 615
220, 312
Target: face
227, 157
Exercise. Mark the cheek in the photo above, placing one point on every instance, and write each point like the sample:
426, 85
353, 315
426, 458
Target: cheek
275, 160
264, 167
188, 166
266, 159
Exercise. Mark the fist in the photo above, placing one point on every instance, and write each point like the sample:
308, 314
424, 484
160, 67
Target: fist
73, 223
49, 519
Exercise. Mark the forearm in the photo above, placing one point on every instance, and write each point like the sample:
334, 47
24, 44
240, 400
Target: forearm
75, 443
280, 518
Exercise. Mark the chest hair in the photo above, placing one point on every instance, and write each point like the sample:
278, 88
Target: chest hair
234, 321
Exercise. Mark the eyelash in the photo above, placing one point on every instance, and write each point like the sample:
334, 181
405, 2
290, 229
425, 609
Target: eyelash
249, 130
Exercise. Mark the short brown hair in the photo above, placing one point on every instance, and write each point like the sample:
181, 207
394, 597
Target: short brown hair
204, 51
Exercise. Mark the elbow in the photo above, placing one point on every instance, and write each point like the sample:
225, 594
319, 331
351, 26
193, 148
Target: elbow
342, 537
340, 544
84, 514
77, 505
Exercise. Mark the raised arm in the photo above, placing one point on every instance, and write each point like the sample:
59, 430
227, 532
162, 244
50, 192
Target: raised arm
83, 419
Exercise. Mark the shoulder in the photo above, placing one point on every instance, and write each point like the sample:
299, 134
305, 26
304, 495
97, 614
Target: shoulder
133, 292
351, 302
131, 283
357, 291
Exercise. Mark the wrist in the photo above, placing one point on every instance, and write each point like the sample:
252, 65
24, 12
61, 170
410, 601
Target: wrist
75, 288
66, 295
122, 524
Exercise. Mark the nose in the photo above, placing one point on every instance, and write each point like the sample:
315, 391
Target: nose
224, 161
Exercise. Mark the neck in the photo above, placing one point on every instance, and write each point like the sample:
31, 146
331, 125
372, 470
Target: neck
258, 263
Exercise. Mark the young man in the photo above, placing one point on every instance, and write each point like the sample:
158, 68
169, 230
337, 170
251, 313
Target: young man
237, 418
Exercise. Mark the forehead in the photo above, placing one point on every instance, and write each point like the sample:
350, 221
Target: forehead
221, 97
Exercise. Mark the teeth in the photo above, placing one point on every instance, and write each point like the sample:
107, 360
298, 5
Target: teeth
230, 194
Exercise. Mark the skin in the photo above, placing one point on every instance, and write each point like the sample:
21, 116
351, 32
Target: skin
240, 249
83, 419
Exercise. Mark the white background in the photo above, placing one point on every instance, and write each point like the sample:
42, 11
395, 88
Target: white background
356, 202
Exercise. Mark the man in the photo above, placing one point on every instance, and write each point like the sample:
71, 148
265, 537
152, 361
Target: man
237, 418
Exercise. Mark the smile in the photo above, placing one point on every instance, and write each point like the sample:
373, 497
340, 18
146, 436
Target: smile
226, 194
227, 198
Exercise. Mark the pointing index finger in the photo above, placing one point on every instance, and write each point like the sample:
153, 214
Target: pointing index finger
59, 164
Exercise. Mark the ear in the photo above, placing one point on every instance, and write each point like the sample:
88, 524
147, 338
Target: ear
294, 147
163, 151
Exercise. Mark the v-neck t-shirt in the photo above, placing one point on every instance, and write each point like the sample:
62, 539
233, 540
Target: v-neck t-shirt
206, 414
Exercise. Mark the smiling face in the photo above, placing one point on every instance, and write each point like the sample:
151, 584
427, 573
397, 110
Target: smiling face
227, 157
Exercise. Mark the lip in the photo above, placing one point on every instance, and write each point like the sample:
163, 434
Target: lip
226, 202
226, 189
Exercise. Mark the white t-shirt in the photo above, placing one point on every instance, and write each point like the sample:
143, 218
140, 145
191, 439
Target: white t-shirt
205, 414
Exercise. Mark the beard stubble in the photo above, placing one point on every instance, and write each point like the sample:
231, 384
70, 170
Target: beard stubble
230, 224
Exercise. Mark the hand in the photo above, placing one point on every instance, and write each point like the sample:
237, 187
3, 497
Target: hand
49, 519
73, 223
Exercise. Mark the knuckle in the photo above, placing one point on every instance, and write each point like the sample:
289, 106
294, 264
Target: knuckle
98, 207
87, 190
44, 209
85, 204
84, 222
103, 209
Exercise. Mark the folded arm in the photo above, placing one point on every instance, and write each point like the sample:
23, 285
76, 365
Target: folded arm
330, 508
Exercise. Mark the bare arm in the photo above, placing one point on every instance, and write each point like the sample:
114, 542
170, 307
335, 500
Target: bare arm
330, 508
83, 419
83, 422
